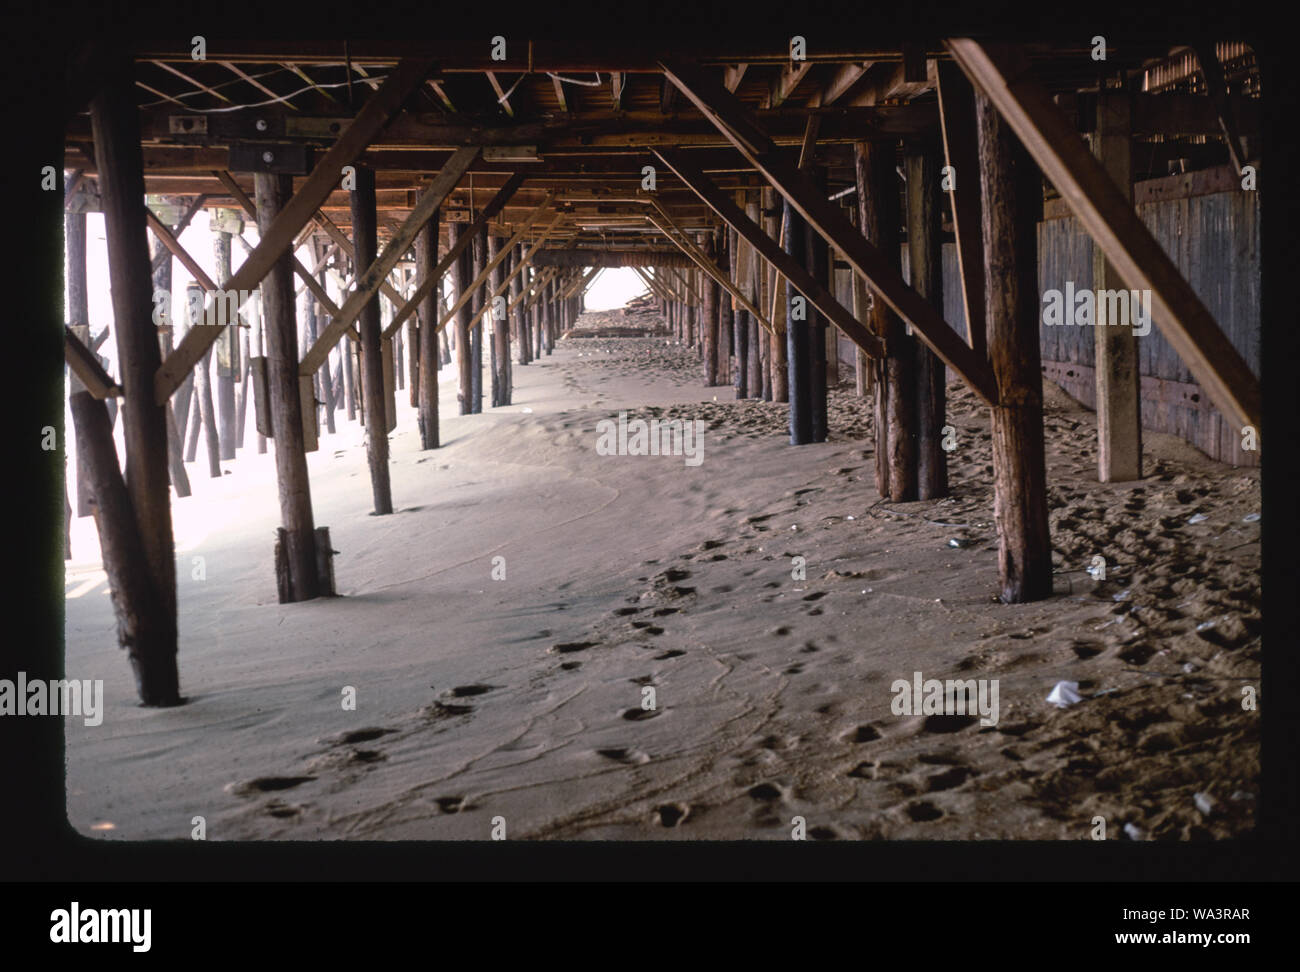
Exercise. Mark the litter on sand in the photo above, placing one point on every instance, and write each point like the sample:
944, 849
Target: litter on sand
1065, 694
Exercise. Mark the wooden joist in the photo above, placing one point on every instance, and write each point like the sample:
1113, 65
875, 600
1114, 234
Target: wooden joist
408, 75
1113, 223
880, 268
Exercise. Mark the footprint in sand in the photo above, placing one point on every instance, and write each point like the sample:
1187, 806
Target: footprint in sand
568, 647
922, 811
267, 784
620, 754
639, 714
671, 814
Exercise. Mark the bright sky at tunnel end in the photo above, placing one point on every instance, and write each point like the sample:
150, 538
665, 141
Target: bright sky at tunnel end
614, 288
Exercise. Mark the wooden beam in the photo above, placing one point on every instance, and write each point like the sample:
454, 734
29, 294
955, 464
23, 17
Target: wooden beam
370, 121
369, 280
1115, 349
85, 365
1114, 226
280, 99
709, 266
179, 228
319, 220
783, 86
961, 152
297, 576
880, 268
148, 631
1012, 201
467, 294
1212, 71
515, 270
732, 75
502, 100
458, 246
768, 249
844, 78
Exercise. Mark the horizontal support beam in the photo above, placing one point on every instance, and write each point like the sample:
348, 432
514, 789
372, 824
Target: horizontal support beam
613, 258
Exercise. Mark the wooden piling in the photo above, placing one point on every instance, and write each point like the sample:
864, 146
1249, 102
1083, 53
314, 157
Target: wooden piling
226, 347
74, 228
709, 316
894, 402
924, 242
1119, 405
426, 352
280, 338
819, 266
365, 249
461, 277
476, 334
142, 513
1011, 193
798, 330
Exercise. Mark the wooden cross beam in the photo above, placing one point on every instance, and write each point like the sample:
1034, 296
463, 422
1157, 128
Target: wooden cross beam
786, 265
537, 287
881, 269
497, 203
86, 366
308, 277
514, 271
402, 81
709, 266
961, 152
464, 298
177, 230
655, 287
1212, 71
580, 282
369, 280
1114, 225
689, 296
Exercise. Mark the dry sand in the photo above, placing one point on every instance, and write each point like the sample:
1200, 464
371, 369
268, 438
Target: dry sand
521, 698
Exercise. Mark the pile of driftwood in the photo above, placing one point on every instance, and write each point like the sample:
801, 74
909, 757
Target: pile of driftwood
639, 317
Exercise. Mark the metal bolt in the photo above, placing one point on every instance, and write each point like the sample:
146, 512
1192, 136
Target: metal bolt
261, 124
268, 157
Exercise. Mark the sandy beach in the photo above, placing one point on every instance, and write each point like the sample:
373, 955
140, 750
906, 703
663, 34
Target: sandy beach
485, 701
